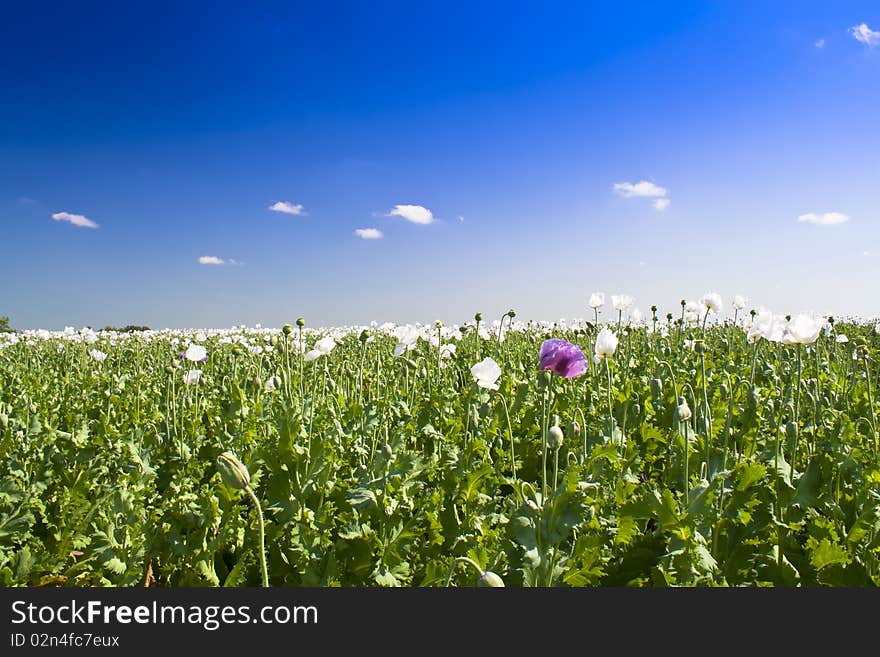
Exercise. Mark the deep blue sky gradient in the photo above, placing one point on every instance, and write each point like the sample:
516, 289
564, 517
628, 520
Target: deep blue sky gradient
175, 125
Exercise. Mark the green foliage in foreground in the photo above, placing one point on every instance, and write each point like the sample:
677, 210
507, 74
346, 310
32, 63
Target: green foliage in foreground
373, 470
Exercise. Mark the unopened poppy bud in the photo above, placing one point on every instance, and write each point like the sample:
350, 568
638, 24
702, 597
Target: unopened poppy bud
387, 451
364, 336
287, 329
753, 398
574, 428
410, 363
300, 322
791, 430
555, 437
511, 313
490, 579
478, 317
232, 471
4, 420
682, 411
657, 387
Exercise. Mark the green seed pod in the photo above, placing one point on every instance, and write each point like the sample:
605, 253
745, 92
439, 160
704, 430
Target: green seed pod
169, 369
387, 451
657, 387
232, 471
300, 322
511, 313
364, 336
287, 329
791, 430
555, 437
478, 317
490, 579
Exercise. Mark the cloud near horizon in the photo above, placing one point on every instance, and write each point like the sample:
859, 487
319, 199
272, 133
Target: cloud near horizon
416, 214
75, 219
287, 208
827, 219
368, 233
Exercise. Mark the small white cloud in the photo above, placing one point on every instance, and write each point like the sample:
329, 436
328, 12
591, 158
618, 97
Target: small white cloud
287, 208
460, 219
414, 213
641, 188
827, 219
661, 204
865, 34
368, 233
820, 43
75, 219
211, 260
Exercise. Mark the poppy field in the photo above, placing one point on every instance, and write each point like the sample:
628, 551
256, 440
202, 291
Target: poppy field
693, 448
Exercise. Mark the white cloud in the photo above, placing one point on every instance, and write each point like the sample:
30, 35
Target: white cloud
368, 233
75, 219
641, 188
414, 213
865, 34
820, 43
661, 204
211, 260
827, 219
287, 208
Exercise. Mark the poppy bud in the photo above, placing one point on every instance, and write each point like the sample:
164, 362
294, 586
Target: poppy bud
387, 451
555, 437
287, 329
4, 420
574, 428
753, 398
490, 579
232, 471
300, 322
478, 317
682, 411
364, 336
511, 313
657, 387
791, 430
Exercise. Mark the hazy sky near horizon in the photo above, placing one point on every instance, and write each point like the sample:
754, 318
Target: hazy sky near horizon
660, 150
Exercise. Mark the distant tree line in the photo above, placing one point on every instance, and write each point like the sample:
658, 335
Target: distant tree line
130, 328
4, 325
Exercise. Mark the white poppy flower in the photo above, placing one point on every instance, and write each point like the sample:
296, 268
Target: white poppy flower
486, 373
606, 344
621, 301
98, 355
192, 377
711, 301
739, 302
195, 353
841, 338
802, 329
597, 299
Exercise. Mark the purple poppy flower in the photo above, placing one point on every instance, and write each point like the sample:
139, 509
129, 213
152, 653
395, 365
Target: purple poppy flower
564, 358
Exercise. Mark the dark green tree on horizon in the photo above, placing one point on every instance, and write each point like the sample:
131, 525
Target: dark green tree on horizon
4, 325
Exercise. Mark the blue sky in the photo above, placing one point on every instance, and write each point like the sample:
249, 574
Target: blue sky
175, 128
